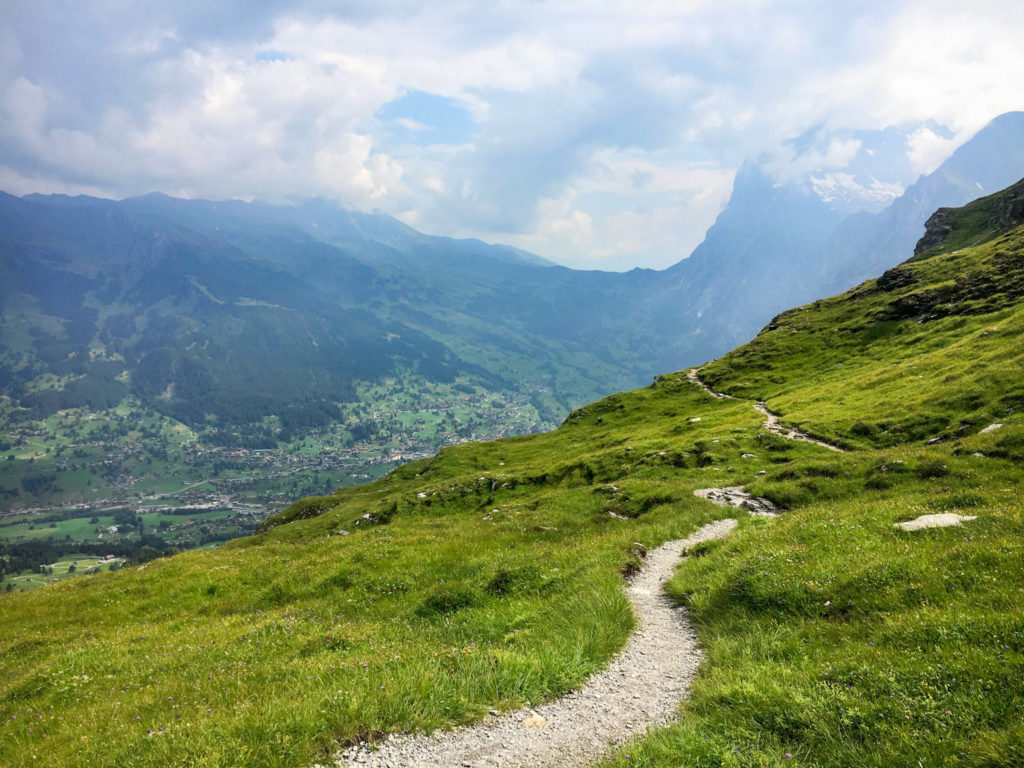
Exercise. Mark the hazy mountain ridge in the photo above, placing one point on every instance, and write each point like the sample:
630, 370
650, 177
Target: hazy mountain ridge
227, 313
445, 306
779, 244
868, 243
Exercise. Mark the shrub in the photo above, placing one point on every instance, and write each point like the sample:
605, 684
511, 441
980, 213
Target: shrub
931, 469
445, 600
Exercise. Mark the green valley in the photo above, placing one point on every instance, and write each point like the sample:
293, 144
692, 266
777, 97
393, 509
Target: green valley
490, 575
66, 476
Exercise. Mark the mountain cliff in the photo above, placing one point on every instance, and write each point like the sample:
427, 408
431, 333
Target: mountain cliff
780, 243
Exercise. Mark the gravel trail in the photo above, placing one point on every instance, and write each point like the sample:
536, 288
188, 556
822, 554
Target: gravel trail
696, 379
771, 420
642, 687
771, 423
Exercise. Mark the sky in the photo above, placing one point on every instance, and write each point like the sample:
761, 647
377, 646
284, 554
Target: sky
600, 135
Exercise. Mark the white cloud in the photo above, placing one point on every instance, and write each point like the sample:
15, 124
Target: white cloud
605, 220
574, 227
14, 183
349, 168
789, 164
927, 149
944, 60
411, 125
609, 131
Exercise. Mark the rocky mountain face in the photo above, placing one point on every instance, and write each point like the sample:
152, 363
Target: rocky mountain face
783, 243
865, 244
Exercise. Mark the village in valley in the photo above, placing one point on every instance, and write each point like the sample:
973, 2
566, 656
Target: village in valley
85, 491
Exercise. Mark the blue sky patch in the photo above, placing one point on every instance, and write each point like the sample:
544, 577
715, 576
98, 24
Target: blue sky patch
425, 118
270, 55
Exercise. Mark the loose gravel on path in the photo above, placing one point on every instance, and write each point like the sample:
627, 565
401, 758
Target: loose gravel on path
771, 420
771, 423
642, 687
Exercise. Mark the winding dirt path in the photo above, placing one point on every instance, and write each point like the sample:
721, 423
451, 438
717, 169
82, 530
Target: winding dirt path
771, 420
642, 687
771, 423
693, 376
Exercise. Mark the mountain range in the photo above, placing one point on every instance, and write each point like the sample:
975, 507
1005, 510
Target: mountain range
222, 313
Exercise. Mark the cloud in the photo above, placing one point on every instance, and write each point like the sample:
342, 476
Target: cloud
928, 148
599, 133
605, 220
793, 162
14, 183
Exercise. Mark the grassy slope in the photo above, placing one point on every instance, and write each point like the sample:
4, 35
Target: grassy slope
454, 607
930, 350
489, 575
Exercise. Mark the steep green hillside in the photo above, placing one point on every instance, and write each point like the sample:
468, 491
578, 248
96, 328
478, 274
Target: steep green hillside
926, 351
490, 575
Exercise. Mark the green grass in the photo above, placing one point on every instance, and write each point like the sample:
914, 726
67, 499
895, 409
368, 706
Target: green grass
524, 602
838, 639
490, 575
845, 369
78, 528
